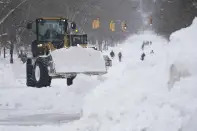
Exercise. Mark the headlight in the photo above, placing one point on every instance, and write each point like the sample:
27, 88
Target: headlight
63, 20
39, 45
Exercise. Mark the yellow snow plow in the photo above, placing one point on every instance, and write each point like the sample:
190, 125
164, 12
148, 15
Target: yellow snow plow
58, 52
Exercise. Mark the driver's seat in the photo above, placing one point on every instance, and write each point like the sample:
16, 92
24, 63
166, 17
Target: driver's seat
51, 34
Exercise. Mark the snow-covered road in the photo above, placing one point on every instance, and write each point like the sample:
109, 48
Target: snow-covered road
21, 105
38, 119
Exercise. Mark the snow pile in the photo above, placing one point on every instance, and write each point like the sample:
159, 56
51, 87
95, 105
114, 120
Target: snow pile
20, 104
137, 96
183, 45
134, 97
78, 59
184, 73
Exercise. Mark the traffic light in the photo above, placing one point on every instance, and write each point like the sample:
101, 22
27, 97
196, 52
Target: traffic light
124, 26
112, 26
96, 24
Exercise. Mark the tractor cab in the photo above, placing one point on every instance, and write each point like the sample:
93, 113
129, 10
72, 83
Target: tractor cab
51, 30
54, 33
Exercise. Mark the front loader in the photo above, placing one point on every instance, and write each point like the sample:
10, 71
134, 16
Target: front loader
56, 53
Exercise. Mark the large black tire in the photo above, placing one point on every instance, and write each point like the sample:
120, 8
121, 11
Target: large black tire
70, 80
44, 80
30, 81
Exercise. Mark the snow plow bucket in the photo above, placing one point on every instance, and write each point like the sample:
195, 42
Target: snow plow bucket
78, 60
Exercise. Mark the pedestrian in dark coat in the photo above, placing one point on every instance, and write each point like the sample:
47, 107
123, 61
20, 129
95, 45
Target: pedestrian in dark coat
120, 56
143, 56
112, 54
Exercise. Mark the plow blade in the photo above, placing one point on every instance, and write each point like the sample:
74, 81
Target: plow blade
78, 60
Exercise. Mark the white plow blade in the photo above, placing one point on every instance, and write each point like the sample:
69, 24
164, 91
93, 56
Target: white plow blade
78, 59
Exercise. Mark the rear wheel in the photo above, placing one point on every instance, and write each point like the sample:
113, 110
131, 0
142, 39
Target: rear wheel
41, 75
70, 80
30, 81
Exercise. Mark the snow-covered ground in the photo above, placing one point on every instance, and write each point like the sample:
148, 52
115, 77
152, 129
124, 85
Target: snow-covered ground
157, 94
21, 105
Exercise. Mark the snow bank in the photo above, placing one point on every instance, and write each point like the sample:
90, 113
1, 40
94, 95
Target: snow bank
78, 59
136, 96
26, 105
184, 60
183, 46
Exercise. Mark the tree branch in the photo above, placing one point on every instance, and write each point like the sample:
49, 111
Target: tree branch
11, 11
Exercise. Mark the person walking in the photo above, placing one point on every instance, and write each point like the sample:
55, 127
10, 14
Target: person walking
143, 56
120, 56
112, 54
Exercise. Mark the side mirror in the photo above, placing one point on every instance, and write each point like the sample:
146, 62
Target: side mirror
29, 26
73, 26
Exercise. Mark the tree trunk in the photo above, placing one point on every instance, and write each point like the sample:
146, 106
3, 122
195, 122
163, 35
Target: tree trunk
11, 53
4, 52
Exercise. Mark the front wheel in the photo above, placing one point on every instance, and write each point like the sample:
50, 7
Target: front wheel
70, 80
42, 78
